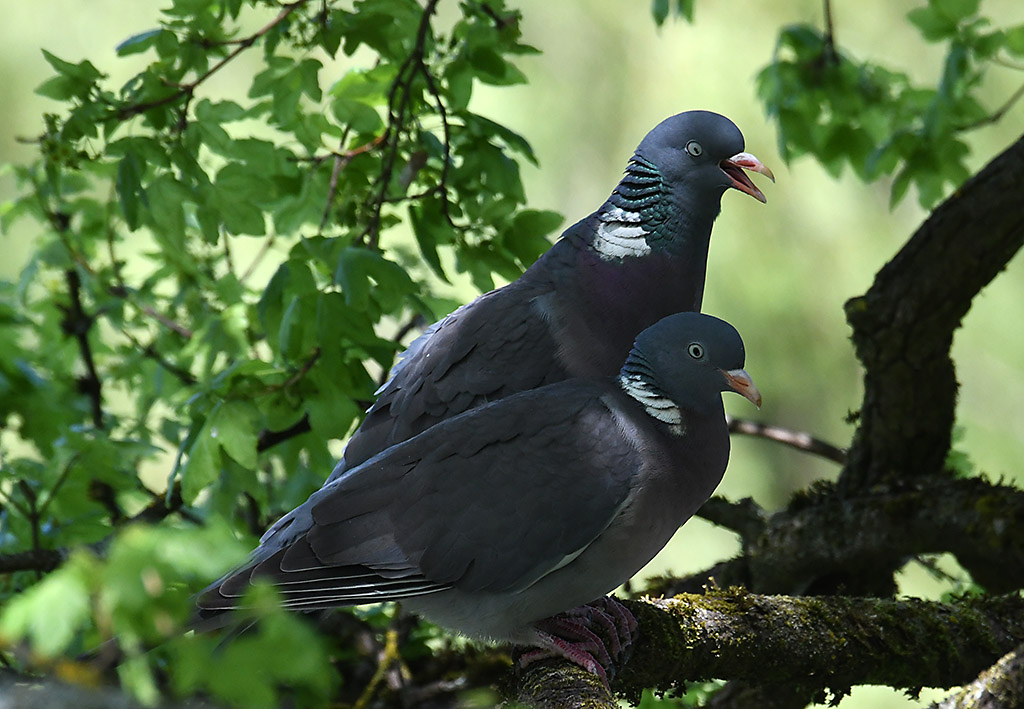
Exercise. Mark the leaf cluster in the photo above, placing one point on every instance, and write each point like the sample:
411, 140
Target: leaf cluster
876, 119
211, 277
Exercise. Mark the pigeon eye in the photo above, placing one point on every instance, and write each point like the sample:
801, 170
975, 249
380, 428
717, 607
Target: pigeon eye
696, 351
694, 149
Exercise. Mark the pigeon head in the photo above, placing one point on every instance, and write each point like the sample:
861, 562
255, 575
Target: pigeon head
672, 189
684, 362
702, 154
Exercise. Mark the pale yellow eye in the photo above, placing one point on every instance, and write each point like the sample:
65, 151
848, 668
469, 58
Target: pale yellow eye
694, 149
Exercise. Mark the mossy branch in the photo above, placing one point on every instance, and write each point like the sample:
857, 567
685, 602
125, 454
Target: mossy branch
813, 643
826, 543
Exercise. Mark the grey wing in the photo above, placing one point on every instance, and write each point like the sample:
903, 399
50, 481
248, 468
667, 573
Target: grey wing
497, 345
503, 510
489, 501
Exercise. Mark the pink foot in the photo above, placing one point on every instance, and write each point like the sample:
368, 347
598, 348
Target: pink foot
596, 636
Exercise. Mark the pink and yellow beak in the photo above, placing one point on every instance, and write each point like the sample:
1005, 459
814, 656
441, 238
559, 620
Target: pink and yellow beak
741, 383
734, 167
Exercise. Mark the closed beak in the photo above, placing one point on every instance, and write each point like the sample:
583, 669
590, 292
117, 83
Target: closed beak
741, 383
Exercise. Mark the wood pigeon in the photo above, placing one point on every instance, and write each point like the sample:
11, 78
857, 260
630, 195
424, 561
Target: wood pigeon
511, 521
576, 311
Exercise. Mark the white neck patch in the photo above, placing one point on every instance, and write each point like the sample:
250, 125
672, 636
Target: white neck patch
653, 402
619, 235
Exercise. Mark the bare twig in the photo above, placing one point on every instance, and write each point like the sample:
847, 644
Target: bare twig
388, 656
794, 439
998, 114
257, 259
829, 50
823, 542
442, 186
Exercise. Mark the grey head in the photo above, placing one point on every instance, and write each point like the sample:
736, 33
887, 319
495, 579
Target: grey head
683, 363
673, 186
702, 153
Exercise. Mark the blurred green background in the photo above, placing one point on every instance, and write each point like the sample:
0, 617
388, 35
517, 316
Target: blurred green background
780, 272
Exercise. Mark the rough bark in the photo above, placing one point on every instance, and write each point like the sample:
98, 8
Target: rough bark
999, 687
805, 644
903, 326
826, 543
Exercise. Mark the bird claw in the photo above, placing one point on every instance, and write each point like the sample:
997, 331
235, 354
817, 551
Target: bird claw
597, 636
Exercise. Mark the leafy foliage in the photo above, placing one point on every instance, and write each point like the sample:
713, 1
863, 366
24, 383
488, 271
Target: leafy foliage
165, 351
219, 280
877, 120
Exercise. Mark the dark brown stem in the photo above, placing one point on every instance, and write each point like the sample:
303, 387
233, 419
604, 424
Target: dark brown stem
268, 439
40, 560
77, 324
341, 161
829, 53
998, 114
398, 104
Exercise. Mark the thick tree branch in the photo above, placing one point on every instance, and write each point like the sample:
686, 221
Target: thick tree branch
746, 517
825, 543
809, 643
999, 687
903, 326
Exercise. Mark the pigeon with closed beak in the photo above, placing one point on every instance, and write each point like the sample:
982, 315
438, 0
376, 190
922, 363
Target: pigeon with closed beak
511, 521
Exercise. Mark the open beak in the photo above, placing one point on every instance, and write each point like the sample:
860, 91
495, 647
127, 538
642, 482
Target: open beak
734, 167
741, 383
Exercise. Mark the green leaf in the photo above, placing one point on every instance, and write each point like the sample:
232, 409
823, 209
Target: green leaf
59, 88
129, 189
956, 10
138, 42
430, 229
1014, 40
934, 25
203, 465
84, 71
659, 10
527, 237
233, 426
166, 197
360, 271
53, 611
295, 333
308, 70
357, 115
